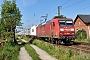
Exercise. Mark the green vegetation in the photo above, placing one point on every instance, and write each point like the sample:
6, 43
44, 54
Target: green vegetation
59, 53
81, 36
20, 41
10, 18
9, 51
2, 40
32, 52
61, 16
82, 40
25, 38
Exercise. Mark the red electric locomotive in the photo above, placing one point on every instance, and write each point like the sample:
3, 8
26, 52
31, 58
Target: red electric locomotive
57, 30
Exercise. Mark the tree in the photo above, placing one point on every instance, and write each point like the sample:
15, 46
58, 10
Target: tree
61, 16
2, 28
11, 16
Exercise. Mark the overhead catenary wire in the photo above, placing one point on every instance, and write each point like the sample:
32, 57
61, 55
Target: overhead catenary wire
55, 8
66, 2
43, 9
80, 9
73, 4
61, 6
49, 5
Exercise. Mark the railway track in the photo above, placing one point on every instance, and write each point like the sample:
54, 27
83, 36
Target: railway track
79, 47
82, 48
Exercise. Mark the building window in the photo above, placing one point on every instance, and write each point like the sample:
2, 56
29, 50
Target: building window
79, 23
32, 30
76, 30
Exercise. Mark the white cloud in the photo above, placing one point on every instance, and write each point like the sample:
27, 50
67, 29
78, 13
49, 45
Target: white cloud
28, 2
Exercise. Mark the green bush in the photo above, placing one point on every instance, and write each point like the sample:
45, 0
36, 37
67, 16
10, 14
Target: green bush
81, 34
10, 51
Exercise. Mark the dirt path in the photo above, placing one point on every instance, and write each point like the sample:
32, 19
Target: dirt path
23, 55
42, 54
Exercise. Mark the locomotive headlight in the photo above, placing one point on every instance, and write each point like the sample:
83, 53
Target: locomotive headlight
72, 29
61, 29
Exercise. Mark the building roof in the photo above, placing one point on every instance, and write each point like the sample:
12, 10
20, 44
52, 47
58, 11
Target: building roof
84, 18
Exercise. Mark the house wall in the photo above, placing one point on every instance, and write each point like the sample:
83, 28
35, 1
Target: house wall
79, 25
89, 30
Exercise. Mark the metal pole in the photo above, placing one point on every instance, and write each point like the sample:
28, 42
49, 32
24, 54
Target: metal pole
59, 10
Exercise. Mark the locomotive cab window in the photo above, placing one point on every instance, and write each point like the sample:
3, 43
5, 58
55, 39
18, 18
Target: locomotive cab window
69, 23
62, 23
65, 23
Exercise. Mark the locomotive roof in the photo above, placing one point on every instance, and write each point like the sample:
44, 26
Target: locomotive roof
44, 22
48, 21
65, 19
54, 18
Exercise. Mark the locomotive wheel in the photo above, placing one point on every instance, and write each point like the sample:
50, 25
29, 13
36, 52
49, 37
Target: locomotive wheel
49, 40
52, 41
59, 42
67, 42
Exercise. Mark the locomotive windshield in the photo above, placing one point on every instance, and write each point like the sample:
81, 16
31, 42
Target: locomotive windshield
62, 23
65, 23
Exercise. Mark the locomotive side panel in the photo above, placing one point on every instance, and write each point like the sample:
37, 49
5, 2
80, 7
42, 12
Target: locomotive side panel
47, 30
38, 30
55, 28
43, 30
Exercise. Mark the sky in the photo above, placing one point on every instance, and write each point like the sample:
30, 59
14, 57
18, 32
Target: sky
32, 10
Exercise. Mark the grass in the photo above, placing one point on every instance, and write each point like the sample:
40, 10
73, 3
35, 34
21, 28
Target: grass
20, 41
82, 40
32, 52
9, 51
25, 38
